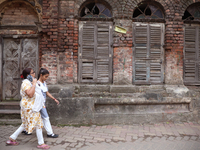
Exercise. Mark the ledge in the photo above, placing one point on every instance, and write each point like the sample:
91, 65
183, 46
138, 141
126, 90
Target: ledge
142, 101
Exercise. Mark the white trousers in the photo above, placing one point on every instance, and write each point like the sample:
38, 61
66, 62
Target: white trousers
47, 125
38, 133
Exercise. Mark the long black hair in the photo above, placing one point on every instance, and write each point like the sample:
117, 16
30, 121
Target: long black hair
25, 73
42, 72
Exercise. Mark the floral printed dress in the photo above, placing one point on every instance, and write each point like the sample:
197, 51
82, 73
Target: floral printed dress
30, 119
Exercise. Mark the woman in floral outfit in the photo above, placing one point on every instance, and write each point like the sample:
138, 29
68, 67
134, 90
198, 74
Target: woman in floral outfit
30, 119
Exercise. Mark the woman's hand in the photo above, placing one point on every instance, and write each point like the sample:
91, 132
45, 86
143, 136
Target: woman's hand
30, 92
56, 101
34, 81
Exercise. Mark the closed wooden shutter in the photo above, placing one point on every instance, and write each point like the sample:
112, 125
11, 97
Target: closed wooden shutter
95, 52
148, 55
192, 56
156, 53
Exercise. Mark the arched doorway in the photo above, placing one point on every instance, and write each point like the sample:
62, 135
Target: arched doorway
191, 65
95, 44
148, 40
19, 46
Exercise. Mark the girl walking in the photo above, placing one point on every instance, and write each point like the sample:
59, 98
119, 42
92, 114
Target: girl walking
42, 77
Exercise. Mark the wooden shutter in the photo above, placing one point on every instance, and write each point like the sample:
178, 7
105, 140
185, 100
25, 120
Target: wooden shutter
148, 53
156, 53
140, 53
191, 56
87, 51
95, 52
102, 54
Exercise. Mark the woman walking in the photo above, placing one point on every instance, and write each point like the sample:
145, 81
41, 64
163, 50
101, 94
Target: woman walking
30, 118
42, 77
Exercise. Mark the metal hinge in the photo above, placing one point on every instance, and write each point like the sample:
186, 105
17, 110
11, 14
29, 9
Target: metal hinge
111, 45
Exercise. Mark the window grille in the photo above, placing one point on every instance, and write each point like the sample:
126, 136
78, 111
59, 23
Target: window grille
148, 11
192, 13
95, 10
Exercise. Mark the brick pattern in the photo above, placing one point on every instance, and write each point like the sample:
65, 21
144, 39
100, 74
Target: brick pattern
68, 43
184, 136
59, 37
122, 65
49, 39
19, 14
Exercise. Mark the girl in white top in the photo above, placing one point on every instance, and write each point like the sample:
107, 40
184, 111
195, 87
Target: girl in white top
42, 77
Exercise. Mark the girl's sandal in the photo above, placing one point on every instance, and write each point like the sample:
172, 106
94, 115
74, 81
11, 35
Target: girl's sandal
44, 146
14, 143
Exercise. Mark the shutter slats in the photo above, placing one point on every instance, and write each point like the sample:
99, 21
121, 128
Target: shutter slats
155, 71
94, 59
140, 70
103, 71
87, 70
155, 52
191, 55
103, 52
88, 41
148, 55
140, 52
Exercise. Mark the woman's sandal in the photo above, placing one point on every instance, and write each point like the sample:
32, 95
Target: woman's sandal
44, 146
9, 142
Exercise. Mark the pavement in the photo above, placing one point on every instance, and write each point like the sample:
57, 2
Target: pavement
167, 136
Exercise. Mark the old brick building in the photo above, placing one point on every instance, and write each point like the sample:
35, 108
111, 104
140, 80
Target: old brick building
77, 42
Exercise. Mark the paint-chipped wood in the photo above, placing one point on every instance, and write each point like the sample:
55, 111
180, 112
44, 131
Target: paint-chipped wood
95, 51
191, 55
148, 55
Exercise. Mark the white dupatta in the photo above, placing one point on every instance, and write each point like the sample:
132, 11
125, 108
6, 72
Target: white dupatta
39, 99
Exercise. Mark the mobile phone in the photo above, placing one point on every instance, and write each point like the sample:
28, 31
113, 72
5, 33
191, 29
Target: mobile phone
30, 78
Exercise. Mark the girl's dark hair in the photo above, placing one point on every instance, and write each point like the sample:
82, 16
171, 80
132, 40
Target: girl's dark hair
42, 72
26, 72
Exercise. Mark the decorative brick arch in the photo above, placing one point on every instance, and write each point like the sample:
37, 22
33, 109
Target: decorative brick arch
128, 7
185, 4
115, 6
34, 4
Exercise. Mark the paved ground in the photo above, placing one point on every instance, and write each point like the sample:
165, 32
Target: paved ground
113, 137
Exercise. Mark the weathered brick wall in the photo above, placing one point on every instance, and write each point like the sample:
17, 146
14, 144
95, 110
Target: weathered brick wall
59, 37
122, 12
122, 53
49, 39
68, 43
17, 13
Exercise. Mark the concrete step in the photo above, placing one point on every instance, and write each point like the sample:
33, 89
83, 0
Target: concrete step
14, 122
10, 110
9, 114
14, 105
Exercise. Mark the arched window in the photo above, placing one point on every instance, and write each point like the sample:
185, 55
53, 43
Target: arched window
192, 13
95, 38
148, 11
148, 38
95, 10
